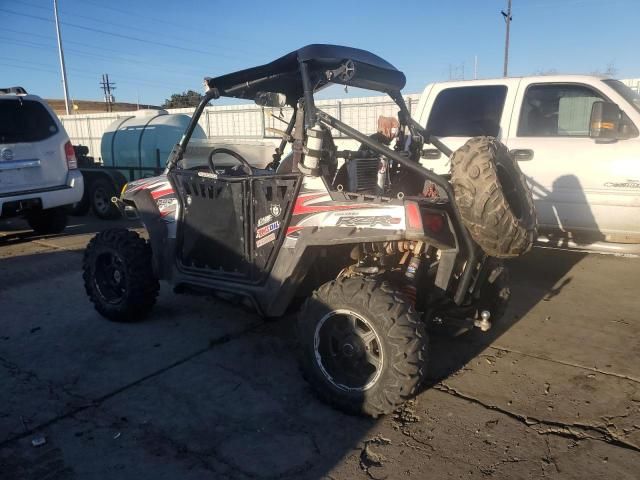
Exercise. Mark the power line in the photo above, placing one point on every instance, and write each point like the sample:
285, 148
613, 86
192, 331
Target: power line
118, 35
39, 46
121, 57
120, 25
164, 22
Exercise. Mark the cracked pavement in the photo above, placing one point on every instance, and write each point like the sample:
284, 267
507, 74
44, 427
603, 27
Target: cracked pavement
206, 389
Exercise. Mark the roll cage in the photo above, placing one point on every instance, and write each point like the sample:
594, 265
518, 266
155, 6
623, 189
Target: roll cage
301, 73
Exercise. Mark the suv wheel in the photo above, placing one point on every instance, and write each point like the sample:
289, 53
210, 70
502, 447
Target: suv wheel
101, 191
52, 220
362, 347
118, 275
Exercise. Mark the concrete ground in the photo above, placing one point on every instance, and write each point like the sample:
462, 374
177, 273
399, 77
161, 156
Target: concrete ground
205, 389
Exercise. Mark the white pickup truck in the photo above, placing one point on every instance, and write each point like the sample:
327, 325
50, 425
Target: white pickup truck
576, 139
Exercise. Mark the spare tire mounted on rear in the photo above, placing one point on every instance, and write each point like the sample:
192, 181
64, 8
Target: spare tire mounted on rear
493, 197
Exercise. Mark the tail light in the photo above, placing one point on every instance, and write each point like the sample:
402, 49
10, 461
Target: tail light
414, 220
70, 153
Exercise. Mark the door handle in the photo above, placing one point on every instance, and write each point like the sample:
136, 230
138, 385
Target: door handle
430, 154
522, 155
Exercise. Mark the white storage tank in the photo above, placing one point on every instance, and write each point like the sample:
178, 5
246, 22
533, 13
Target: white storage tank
144, 140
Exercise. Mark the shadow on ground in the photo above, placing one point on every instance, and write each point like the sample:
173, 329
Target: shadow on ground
530, 283
182, 395
14, 231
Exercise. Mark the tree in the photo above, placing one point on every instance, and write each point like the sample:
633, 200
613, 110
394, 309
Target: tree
189, 98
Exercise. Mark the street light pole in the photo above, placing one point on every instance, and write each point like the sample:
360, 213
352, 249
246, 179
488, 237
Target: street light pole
61, 55
507, 19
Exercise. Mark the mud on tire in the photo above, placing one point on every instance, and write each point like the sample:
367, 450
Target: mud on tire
400, 342
118, 275
493, 197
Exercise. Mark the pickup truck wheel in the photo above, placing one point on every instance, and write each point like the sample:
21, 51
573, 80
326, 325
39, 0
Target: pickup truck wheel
100, 192
118, 275
363, 348
493, 197
52, 220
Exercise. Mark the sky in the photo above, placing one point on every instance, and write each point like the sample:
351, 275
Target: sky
151, 49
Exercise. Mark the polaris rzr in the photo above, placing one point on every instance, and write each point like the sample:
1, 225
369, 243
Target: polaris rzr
381, 247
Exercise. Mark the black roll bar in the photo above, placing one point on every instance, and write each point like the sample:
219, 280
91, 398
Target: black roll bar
465, 281
178, 150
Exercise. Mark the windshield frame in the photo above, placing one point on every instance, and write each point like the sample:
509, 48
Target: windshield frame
631, 97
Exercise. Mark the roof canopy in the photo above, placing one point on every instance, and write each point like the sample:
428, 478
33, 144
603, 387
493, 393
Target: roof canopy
284, 74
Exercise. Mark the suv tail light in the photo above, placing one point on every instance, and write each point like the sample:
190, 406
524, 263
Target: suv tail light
70, 153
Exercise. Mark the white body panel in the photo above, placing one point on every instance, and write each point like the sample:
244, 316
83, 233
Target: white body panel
580, 185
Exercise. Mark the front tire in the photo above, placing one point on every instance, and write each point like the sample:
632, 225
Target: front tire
118, 275
50, 221
363, 348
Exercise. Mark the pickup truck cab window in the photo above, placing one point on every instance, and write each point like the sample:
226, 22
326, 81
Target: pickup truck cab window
629, 95
467, 111
557, 111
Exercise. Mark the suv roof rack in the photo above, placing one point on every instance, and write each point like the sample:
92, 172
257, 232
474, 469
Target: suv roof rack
13, 90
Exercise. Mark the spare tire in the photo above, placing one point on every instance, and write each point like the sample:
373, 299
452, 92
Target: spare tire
493, 198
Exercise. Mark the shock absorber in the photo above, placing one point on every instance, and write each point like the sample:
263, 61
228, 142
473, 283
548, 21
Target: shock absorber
409, 287
411, 272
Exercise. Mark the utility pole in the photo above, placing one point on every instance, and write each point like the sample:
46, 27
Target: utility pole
475, 67
61, 55
107, 87
507, 18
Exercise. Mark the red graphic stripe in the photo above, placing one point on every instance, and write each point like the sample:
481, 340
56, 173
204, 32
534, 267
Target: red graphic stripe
161, 193
301, 207
291, 230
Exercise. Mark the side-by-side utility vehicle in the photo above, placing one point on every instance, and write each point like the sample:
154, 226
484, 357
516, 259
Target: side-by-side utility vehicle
381, 247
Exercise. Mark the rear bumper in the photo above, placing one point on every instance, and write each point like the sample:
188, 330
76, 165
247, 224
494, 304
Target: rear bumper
50, 197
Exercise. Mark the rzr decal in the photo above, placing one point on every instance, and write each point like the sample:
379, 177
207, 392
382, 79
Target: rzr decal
272, 227
371, 222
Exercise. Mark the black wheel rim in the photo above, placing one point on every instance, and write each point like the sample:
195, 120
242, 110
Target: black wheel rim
101, 200
110, 277
510, 191
348, 351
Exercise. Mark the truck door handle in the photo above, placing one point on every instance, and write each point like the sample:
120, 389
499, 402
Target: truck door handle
430, 154
522, 155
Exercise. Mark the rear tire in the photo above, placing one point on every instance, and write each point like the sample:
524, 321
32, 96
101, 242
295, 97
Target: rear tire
100, 193
44, 222
373, 358
118, 275
493, 198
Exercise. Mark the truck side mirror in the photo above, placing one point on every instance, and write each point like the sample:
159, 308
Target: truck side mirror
605, 121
